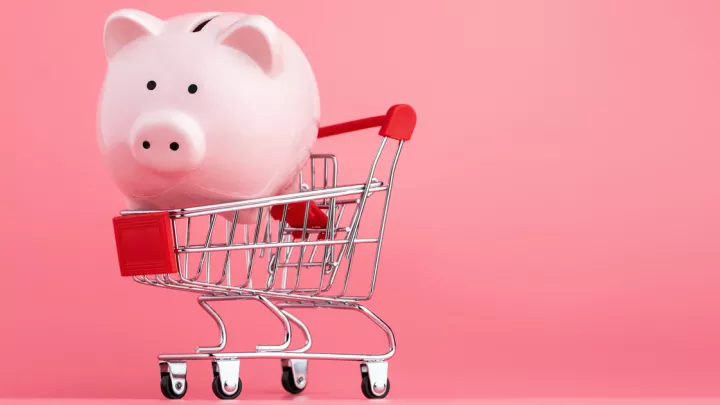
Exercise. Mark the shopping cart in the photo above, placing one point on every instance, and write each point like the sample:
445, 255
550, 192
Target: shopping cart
297, 253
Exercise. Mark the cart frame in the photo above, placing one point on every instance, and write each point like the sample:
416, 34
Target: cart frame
152, 251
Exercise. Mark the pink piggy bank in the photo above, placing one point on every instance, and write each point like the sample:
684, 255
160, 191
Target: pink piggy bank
204, 108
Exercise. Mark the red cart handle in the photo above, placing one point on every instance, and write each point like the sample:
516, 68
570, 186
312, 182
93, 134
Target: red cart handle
398, 123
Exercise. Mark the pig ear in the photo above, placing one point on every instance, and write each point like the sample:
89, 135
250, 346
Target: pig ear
257, 37
125, 26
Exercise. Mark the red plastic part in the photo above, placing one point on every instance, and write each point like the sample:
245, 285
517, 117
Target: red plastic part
145, 244
398, 123
295, 217
351, 126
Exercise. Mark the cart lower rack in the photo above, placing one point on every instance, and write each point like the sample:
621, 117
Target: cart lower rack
286, 252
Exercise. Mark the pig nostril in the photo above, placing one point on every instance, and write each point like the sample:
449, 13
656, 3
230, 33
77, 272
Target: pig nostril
174, 146
146, 144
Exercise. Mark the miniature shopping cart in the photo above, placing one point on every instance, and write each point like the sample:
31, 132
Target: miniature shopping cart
297, 252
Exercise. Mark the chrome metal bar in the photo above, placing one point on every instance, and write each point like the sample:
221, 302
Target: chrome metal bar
300, 355
312, 174
209, 255
203, 300
246, 240
312, 253
326, 178
276, 245
230, 234
288, 252
177, 256
251, 259
221, 326
305, 331
187, 243
302, 238
309, 230
339, 258
264, 202
235, 292
363, 198
208, 241
299, 198
338, 221
281, 231
347, 276
268, 232
383, 219
286, 325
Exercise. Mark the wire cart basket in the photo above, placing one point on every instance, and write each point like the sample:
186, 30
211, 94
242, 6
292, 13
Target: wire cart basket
297, 253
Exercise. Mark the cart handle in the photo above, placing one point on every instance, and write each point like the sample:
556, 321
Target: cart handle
398, 123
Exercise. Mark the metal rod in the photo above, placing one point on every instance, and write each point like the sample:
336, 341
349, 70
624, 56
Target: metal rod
363, 198
299, 355
264, 202
223, 248
221, 326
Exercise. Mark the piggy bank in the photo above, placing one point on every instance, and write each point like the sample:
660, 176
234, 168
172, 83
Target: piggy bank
203, 108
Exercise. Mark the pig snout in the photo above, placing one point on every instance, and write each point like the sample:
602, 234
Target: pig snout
168, 142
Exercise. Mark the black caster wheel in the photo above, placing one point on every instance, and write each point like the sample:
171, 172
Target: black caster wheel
368, 391
170, 392
217, 389
288, 382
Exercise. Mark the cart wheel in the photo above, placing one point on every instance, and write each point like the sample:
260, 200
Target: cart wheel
169, 391
369, 392
288, 382
225, 374
218, 391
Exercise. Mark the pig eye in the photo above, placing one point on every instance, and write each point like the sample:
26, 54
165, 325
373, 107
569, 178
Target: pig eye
201, 25
192, 88
151, 85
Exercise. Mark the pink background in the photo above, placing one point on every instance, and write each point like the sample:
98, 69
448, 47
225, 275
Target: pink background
554, 231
